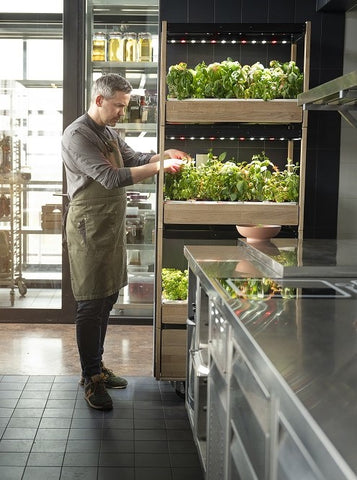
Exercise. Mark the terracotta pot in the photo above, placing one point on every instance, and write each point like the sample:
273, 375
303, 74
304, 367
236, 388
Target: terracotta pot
257, 233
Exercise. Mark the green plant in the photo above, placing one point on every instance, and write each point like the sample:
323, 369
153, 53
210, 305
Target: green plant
229, 79
174, 284
180, 81
221, 180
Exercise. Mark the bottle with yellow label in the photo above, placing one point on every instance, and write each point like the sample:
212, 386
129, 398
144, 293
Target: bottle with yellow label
99, 47
144, 47
115, 49
130, 45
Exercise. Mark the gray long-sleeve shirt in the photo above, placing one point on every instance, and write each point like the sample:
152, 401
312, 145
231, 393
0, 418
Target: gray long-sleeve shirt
84, 161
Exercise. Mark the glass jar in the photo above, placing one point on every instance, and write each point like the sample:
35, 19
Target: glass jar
99, 47
130, 47
144, 47
115, 49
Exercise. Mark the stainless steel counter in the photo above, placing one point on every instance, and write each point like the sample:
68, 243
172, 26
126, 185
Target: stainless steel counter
304, 330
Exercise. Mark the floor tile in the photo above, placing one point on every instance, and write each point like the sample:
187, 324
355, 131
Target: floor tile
181, 446
150, 434
81, 459
53, 422
31, 403
154, 474
48, 446
152, 460
49, 432
9, 402
79, 473
43, 395
86, 423
37, 386
112, 446
116, 473
149, 423
19, 434
83, 446
151, 446
116, 459
85, 434
10, 459
27, 412
42, 473
11, 394
52, 434
11, 473
54, 459
184, 460
187, 474
6, 412
13, 446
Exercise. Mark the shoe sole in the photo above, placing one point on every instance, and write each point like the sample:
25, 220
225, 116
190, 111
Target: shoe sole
81, 383
117, 388
101, 407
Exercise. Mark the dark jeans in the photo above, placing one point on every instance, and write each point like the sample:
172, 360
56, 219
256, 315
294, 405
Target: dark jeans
91, 326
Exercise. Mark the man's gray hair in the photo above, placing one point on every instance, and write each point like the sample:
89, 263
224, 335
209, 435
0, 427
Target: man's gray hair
109, 84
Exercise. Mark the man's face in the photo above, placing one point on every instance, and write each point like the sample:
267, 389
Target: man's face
110, 110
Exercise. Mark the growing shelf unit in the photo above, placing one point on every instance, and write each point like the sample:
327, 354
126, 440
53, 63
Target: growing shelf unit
237, 118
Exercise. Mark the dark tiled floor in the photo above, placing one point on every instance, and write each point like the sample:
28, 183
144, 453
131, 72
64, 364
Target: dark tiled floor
48, 432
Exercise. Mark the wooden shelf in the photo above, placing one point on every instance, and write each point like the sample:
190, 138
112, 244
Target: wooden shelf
230, 213
233, 110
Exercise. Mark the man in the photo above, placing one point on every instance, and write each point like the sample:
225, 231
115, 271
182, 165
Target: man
98, 166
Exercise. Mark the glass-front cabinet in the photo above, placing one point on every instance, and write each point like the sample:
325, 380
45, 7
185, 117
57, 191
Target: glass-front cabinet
30, 159
122, 37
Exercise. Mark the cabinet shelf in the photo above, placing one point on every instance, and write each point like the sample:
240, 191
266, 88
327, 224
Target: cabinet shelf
233, 110
229, 213
136, 127
126, 66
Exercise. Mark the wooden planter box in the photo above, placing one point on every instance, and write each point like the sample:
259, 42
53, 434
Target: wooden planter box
233, 110
174, 312
230, 213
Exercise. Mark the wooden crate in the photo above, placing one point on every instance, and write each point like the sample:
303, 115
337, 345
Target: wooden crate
211, 110
173, 354
51, 218
230, 213
174, 312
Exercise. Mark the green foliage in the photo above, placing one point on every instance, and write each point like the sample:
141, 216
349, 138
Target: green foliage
174, 284
220, 180
180, 81
256, 288
229, 79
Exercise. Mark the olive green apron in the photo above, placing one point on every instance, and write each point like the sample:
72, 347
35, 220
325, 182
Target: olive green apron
96, 238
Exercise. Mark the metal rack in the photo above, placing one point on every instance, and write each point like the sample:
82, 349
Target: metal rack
338, 95
11, 184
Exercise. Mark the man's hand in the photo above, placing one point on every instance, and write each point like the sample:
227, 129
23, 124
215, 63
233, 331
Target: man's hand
173, 153
173, 165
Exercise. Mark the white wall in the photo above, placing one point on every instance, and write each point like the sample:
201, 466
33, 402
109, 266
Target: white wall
347, 205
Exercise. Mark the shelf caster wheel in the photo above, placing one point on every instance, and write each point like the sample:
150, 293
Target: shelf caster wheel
22, 288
